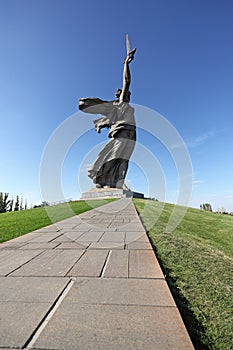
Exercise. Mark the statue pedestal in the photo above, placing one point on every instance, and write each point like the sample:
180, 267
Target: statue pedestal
101, 193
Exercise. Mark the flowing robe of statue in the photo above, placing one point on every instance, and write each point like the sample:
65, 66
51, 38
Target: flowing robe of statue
111, 165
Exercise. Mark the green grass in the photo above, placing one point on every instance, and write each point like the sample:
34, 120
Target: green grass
17, 223
197, 262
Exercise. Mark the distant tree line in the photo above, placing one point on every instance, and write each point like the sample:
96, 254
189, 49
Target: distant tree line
7, 204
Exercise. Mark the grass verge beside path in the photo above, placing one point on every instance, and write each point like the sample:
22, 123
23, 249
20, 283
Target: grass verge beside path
15, 224
196, 259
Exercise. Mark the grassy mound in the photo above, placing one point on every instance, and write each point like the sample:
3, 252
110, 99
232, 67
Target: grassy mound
17, 223
197, 262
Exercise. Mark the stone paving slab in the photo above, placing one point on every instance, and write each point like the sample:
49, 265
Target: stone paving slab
53, 228
89, 282
82, 227
105, 229
143, 264
19, 240
91, 263
11, 245
51, 263
74, 245
114, 327
118, 264
139, 245
15, 259
68, 236
107, 245
37, 245
19, 321
131, 227
23, 303
120, 291
31, 289
114, 236
90, 236
45, 237
136, 236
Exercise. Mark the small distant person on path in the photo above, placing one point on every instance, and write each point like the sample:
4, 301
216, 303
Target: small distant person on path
111, 165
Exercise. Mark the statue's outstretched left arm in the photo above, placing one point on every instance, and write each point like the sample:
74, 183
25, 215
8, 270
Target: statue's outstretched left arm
95, 105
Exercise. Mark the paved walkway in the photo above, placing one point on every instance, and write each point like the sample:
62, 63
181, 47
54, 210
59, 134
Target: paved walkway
88, 282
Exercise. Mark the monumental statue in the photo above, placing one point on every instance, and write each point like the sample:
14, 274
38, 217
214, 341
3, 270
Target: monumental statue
111, 165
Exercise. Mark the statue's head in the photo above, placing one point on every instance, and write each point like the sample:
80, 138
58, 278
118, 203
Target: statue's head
118, 93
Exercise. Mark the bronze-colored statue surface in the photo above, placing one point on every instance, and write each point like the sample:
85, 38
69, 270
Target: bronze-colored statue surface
111, 165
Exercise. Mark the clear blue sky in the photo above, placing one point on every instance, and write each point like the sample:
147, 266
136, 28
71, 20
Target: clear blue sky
56, 51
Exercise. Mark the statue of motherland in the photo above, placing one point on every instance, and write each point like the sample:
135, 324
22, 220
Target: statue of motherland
111, 165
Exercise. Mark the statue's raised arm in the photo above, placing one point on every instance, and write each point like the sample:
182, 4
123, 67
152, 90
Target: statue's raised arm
125, 93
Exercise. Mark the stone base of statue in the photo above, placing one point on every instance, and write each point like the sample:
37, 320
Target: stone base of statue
102, 193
